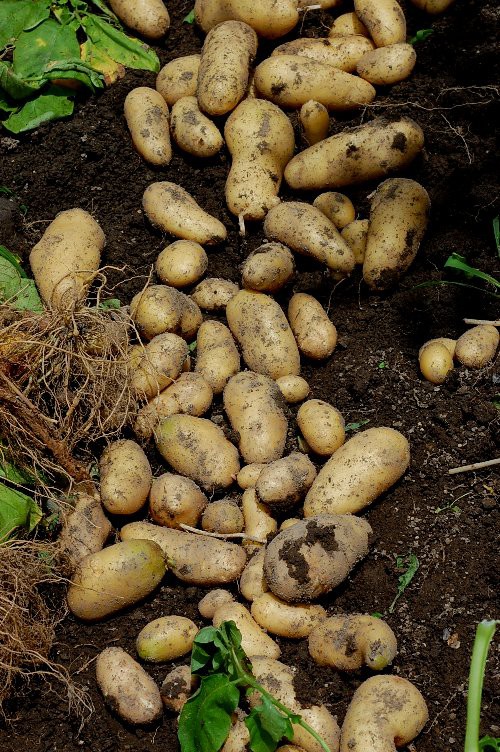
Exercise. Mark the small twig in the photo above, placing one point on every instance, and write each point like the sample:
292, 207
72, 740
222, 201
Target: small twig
241, 224
242, 536
482, 321
474, 466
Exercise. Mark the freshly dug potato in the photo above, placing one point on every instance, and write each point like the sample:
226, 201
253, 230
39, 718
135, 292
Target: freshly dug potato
387, 65
148, 17
312, 557
286, 481
277, 678
127, 688
157, 309
158, 364
384, 19
385, 712
293, 388
254, 640
261, 142
126, 477
195, 559
248, 475
191, 318
252, 580
197, 448
436, 362
338, 208
355, 155
398, 219
181, 263
85, 529
350, 642
238, 737
323, 722
355, 235
262, 331
268, 268
253, 404
211, 602
362, 469
146, 113
432, 6
223, 516
315, 334
227, 54
175, 500
477, 347
166, 639
259, 522
289, 748
290, 81
214, 293
217, 357
192, 131
66, 259
449, 343
178, 686
178, 78
322, 426
348, 24
342, 52
315, 121
269, 21
174, 210
284, 620
114, 578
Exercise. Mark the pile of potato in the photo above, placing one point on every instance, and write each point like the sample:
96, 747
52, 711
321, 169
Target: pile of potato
474, 349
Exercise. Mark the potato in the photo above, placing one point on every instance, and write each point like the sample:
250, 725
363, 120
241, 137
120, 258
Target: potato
315, 334
127, 688
172, 209
384, 19
158, 364
175, 500
449, 343
157, 309
268, 268
312, 557
195, 559
192, 131
385, 711
261, 141
178, 78
315, 121
238, 737
191, 318
148, 17
293, 388
269, 21
348, 24
181, 263
214, 293
355, 155
398, 219
355, 235
126, 477
114, 578
262, 331
252, 580
217, 357
253, 404
146, 113
436, 362
337, 207
290, 81
477, 347
228, 52
342, 52
350, 642
178, 685
277, 679
280, 618
197, 448
432, 6
254, 640
223, 516
211, 602
286, 481
362, 469
387, 65
289, 523
322, 426
323, 722
259, 522
166, 639
66, 259
85, 529
248, 475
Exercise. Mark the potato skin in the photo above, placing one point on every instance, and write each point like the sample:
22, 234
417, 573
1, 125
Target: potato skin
166, 638
126, 477
148, 17
175, 500
477, 346
146, 113
338, 208
178, 78
212, 600
85, 528
435, 362
178, 685
214, 293
348, 24
315, 334
248, 475
293, 388
285, 482
355, 235
217, 357
268, 268
252, 581
342, 52
158, 364
223, 516
192, 131
324, 723
181, 263
315, 121
269, 21
156, 310
282, 619
322, 426
254, 640
387, 65
259, 522
349, 642
174, 210
432, 6
384, 19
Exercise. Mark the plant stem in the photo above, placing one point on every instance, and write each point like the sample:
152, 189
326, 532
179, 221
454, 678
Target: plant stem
484, 634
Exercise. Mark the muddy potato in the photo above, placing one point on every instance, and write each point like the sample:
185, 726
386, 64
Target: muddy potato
166, 638
342, 52
387, 65
276, 678
322, 426
289, 522
315, 121
214, 293
384, 19
254, 640
350, 642
286, 481
436, 362
192, 131
282, 619
238, 737
126, 477
248, 475
293, 388
177, 687
252, 581
157, 309
323, 722
432, 6
449, 343
178, 78
259, 522
355, 235
85, 529
181, 263
315, 334
338, 208
175, 500
191, 318
211, 602
268, 20
223, 516
477, 347
158, 364
217, 357
146, 113
348, 24
148, 17
174, 210
268, 268
362, 469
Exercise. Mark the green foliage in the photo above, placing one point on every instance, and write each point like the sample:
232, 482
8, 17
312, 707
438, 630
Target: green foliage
449, 507
15, 287
355, 426
112, 304
189, 18
16, 511
489, 744
409, 564
382, 365
421, 35
457, 263
484, 634
496, 233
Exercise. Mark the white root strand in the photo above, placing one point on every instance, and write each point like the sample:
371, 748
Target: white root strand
242, 536
481, 321
474, 466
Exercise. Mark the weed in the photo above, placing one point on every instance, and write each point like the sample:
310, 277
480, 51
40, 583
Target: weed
409, 565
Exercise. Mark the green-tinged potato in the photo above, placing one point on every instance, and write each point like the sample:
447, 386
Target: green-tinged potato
322, 426
252, 580
398, 219
175, 500
226, 56
223, 517
192, 131
307, 231
248, 475
157, 309
268, 268
158, 364
66, 259
387, 65
211, 602
477, 347
214, 293
268, 20
362, 469
259, 522
293, 388
348, 24
126, 477
355, 155
178, 686
436, 362
449, 343
174, 210
85, 529
254, 640
338, 208
284, 620
355, 235
195, 559
260, 327
146, 113
148, 17
342, 52
127, 688
114, 578
319, 718
286, 481
290, 81
315, 334
261, 142
384, 19
432, 6
276, 678
315, 555
385, 711
315, 121
178, 78
217, 357
166, 639
253, 404
197, 448
181, 263
350, 642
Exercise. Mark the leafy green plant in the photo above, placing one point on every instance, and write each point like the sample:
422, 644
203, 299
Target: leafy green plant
421, 35
15, 286
496, 233
450, 507
355, 426
17, 510
409, 564
484, 634
457, 263
189, 18
382, 365
225, 671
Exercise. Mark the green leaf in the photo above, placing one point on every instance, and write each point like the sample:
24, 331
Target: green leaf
201, 657
355, 426
192, 346
410, 564
376, 615
19, 15
455, 261
6, 254
14, 475
15, 288
52, 104
102, 62
489, 744
38, 48
16, 510
421, 35
267, 726
15, 86
123, 49
5, 104
112, 304
189, 18
205, 720
74, 70
496, 233
382, 365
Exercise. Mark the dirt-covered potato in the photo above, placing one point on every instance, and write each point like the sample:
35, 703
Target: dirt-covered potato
322, 426
177, 687
174, 210
436, 362
262, 331
449, 343
148, 17
366, 152
355, 235
268, 268
181, 263
323, 722
477, 347
387, 65
175, 500
289, 522
293, 388
214, 293
269, 20
146, 113
114, 578
85, 528
398, 219
315, 555
286, 481
338, 208
432, 6
342, 52
252, 580
166, 638
362, 469
127, 688
248, 475
350, 642
261, 142
238, 737
315, 121
178, 78
259, 522
217, 357
211, 602
315, 334
223, 516
254, 640
125, 476
277, 678
158, 364
285, 620
157, 309
348, 24
384, 19
192, 131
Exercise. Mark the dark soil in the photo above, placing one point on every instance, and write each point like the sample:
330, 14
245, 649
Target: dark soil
372, 376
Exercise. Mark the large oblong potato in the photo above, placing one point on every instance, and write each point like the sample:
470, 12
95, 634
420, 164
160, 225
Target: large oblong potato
315, 334
175, 500
269, 20
254, 640
387, 65
322, 426
384, 19
166, 638
342, 52
174, 210
363, 468
217, 357
477, 346
85, 529
178, 78
126, 477
286, 481
268, 268
148, 17
146, 113
192, 131
285, 620
350, 642
158, 364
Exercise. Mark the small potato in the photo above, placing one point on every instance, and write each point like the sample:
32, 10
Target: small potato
325, 725
158, 364
384, 19
252, 580
276, 678
355, 235
449, 343
342, 52
192, 131
223, 516
259, 522
338, 208
238, 737
217, 357
127, 688
477, 347
269, 21
436, 362
85, 529
214, 293
322, 426
315, 121
254, 640
432, 6
362, 469
146, 113
178, 686
178, 78
175, 500
126, 477
191, 318
286, 481
284, 620
211, 602
387, 65
166, 639
293, 388
181, 263
268, 268
248, 475
157, 309
315, 334
289, 523
174, 210
350, 642
348, 24
148, 17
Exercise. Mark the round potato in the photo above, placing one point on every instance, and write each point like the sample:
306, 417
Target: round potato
315, 334
175, 500
178, 78
348, 24
269, 21
192, 131
355, 235
350, 642
181, 263
166, 639
211, 602
158, 364
477, 347
223, 517
436, 362
217, 357
293, 388
387, 65
268, 268
148, 17
286, 481
214, 293
146, 113
85, 529
338, 208
315, 121
342, 52
285, 620
254, 640
248, 475
252, 580
259, 522
384, 19
178, 685
157, 309
322, 426
449, 343
125, 476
